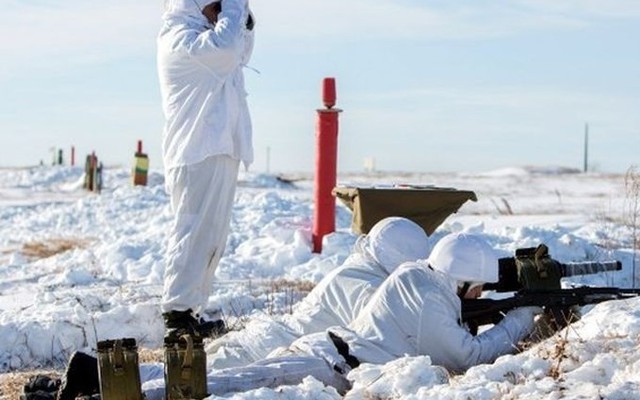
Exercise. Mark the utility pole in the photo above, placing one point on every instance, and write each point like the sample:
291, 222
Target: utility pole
586, 147
268, 159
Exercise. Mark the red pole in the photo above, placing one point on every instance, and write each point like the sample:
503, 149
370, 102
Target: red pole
139, 147
73, 156
324, 216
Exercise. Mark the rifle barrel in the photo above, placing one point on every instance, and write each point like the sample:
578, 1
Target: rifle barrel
589, 267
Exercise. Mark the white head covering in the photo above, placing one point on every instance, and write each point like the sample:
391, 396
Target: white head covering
465, 258
395, 240
187, 9
183, 6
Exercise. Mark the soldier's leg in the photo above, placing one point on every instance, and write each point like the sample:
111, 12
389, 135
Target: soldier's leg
202, 200
274, 372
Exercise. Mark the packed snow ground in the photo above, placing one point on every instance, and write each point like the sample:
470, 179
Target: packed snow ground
77, 267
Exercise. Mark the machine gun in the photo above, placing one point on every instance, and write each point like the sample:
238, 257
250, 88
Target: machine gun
476, 312
535, 277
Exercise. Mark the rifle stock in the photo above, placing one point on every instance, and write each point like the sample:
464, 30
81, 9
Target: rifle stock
477, 312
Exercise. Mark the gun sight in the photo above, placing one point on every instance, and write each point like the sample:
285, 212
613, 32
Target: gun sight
509, 279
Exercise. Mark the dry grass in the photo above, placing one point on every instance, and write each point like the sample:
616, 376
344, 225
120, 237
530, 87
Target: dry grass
281, 294
561, 348
12, 383
51, 247
632, 187
507, 210
294, 291
302, 287
150, 355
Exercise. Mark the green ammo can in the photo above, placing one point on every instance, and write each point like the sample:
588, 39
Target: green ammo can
185, 369
119, 370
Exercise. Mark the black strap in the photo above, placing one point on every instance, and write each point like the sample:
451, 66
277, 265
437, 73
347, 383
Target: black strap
343, 350
464, 289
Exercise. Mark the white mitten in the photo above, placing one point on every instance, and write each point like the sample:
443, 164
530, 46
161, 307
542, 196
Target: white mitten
519, 323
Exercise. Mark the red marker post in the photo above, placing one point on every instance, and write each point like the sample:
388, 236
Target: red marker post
324, 216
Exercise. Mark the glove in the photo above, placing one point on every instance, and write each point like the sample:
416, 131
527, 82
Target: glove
524, 312
519, 323
524, 315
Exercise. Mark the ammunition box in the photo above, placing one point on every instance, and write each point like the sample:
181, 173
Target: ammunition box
118, 369
185, 369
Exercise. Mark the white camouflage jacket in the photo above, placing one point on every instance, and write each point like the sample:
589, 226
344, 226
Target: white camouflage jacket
416, 312
202, 83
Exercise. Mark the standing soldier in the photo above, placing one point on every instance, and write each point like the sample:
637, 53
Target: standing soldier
202, 49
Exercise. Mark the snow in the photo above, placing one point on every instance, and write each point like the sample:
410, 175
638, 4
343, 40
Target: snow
78, 267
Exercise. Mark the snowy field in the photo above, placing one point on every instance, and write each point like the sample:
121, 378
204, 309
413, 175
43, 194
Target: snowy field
77, 267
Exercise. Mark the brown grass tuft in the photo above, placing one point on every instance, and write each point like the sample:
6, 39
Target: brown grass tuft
280, 285
51, 247
150, 355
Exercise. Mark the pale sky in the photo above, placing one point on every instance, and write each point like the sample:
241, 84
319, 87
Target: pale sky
425, 85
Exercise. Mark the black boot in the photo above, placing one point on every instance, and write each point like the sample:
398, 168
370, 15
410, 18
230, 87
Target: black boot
212, 329
178, 323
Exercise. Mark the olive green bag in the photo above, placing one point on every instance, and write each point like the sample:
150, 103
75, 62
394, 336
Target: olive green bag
185, 369
118, 370
537, 270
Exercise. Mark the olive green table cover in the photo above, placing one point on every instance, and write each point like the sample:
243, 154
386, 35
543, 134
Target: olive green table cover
427, 206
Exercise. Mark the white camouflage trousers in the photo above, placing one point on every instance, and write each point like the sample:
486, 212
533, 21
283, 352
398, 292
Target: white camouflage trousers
202, 197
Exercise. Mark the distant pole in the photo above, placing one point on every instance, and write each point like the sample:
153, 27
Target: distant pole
73, 156
586, 147
324, 215
268, 159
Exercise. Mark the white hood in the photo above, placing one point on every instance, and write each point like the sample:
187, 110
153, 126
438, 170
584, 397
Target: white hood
466, 258
185, 10
394, 241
